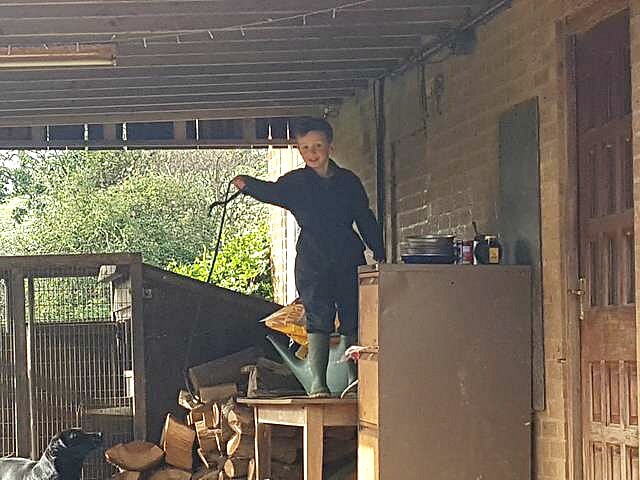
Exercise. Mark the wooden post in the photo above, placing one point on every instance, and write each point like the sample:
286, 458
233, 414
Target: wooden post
35, 453
18, 314
139, 368
263, 449
313, 431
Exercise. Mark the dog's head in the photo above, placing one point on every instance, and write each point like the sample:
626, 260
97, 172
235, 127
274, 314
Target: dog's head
74, 444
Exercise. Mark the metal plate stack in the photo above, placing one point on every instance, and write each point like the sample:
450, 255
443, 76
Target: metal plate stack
429, 249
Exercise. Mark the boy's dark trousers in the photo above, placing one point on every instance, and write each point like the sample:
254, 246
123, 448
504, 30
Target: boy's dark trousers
325, 288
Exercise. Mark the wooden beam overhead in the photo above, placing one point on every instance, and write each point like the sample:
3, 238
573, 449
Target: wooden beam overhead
252, 34
124, 111
186, 59
151, 25
161, 47
161, 116
291, 69
272, 8
355, 79
178, 91
259, 58
301, 97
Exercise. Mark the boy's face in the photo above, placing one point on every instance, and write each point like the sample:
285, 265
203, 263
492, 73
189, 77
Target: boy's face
315, 149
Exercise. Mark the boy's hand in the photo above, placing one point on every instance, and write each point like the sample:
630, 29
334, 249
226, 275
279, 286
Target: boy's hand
239, 182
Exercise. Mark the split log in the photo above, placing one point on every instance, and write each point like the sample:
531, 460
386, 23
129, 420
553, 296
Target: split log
240, 419
223, 370
227, 406
211, 460
240, 446
209, 412
222, 476
177, 442
238, 467
127, 475
186, 400
270, 379
251, 469
206, 436
223, 435
170, 473
214, 393
134, 456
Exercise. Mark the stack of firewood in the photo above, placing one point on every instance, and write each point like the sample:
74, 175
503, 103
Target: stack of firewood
216, 439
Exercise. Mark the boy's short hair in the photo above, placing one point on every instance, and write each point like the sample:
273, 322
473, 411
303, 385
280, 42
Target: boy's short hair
304, 125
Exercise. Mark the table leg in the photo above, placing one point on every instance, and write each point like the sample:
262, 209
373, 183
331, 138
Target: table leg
263, 448
313, 434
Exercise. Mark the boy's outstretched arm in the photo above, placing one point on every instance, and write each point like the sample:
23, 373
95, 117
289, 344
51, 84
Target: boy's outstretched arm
275, 193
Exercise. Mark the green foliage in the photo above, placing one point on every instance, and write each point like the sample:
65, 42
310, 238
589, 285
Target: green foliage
242, 264
152, 202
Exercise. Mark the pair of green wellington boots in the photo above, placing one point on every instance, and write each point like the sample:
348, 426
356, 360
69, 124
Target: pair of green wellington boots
324, 373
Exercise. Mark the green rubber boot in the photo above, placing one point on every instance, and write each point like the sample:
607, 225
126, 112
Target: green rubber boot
318, 358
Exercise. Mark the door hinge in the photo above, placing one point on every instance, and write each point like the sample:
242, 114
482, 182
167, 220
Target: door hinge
580, 292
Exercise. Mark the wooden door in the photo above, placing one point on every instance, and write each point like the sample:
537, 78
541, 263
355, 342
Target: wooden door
608, 331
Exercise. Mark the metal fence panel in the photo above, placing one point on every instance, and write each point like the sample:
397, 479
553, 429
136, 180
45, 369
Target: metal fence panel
78, 356
7, 378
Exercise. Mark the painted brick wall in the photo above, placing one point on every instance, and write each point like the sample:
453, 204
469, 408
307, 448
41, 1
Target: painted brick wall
447, 173
284, 230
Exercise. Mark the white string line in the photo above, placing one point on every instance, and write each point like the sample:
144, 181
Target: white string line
243, 27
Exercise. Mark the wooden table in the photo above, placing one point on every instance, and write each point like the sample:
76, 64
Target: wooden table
312, 414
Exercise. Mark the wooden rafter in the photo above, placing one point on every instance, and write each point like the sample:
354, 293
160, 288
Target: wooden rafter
181, 59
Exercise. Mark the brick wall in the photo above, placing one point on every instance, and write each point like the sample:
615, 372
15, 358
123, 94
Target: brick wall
283, 227
447, 172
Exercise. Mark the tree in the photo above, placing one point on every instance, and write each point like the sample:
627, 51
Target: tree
152, 202
242, 264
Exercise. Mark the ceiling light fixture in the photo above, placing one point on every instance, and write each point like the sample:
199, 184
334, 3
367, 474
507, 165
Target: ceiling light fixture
51, 56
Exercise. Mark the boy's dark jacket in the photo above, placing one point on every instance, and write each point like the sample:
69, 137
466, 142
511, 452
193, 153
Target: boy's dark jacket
325, 209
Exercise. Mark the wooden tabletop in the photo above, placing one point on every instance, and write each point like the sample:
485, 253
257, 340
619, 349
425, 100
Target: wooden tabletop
298, 401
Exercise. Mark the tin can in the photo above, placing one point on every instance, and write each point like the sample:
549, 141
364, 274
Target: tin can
457, 250
487, 250
467, 252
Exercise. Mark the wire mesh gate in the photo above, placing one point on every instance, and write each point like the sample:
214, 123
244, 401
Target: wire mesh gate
7, 377
78, 350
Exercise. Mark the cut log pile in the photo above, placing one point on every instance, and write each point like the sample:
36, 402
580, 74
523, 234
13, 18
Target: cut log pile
215, 440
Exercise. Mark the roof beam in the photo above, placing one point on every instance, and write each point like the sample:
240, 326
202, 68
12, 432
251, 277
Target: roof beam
188, 95
319, 67
160, 116
254, 33
356, 79
259, 58
119, 8
65, 109
7, 96
164, 47
303, 97
174, 24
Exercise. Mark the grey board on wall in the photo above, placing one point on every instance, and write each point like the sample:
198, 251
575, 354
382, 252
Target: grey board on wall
519, 217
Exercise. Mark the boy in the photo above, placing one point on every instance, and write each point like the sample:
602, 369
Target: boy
325, 200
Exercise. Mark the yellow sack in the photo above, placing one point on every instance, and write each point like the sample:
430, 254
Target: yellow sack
291, 321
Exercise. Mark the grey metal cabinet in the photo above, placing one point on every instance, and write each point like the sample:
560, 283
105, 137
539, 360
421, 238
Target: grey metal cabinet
445, 390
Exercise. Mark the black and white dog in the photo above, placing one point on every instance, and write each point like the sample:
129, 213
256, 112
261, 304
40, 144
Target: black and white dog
62, 460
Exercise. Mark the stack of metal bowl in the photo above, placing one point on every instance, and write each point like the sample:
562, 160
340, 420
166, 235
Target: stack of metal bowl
429, 249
